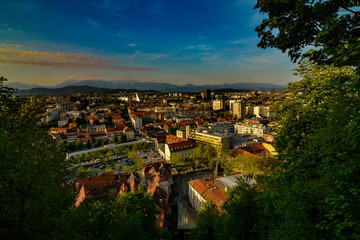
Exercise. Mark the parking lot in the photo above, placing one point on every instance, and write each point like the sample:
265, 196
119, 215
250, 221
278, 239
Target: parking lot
149, 156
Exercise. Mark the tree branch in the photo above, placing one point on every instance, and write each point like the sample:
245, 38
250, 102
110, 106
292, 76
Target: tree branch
348, 9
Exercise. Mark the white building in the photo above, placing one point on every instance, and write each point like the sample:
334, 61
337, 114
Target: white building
181, 149
251, 128
136, 121
129, 132
52, 114
218, 105
96, 128
216, 189
262, 111
62, 122
170, 146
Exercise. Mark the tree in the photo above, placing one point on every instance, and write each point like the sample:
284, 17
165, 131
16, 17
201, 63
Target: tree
79, 144
98, 143
241, 211
83, 173
138, 163
123, 138
115, 139
316, 140
61, 145
331, 27
88, 143
117, 166
208, 226
171, 130
135, 216
206, 154
251, 166
33, 172
109, 155
108, 169
70, 146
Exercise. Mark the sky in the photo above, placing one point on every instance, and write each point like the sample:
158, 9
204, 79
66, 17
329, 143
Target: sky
47, 42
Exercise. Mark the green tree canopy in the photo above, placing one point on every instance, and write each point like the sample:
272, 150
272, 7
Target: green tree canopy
208, 227
79, 144
331, 27
317, 141
33, 198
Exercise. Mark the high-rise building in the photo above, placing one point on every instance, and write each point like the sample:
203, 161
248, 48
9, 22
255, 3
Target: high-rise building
207, 94
239, 109
218, 104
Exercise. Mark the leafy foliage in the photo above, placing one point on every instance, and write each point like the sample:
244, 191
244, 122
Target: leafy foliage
319, 130
332, 27
33, 198
209, 222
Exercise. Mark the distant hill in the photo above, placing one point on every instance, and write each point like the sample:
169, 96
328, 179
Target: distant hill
128, 84
20, 86
67, 90
167, 87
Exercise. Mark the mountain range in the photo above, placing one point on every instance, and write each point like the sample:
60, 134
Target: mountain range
164, 87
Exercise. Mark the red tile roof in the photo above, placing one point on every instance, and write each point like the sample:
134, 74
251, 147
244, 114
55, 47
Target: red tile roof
174, 139
208, 189
174, 147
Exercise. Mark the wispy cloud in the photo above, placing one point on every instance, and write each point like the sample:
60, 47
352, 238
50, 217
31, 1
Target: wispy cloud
199, 47
141, 56
16, 56
252, 41
83, 77
9, 28
256, 19
94, 24
132, 44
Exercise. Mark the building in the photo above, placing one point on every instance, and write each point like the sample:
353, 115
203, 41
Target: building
170, 146
129, 132
218, 104
239, 109
218, 141
181, 149
52, 114
181, 133
215, 189
252, 128
62, 122
207, 94
231, 103
155, 176
223, 127
96, 128
250, 110
262, 111
136, 121
67, 107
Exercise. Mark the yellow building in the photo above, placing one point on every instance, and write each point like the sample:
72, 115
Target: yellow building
214, 139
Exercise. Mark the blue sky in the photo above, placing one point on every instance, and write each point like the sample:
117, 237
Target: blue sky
199, 42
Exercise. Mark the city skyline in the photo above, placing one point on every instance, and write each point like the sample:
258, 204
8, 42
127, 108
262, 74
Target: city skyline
202, 42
